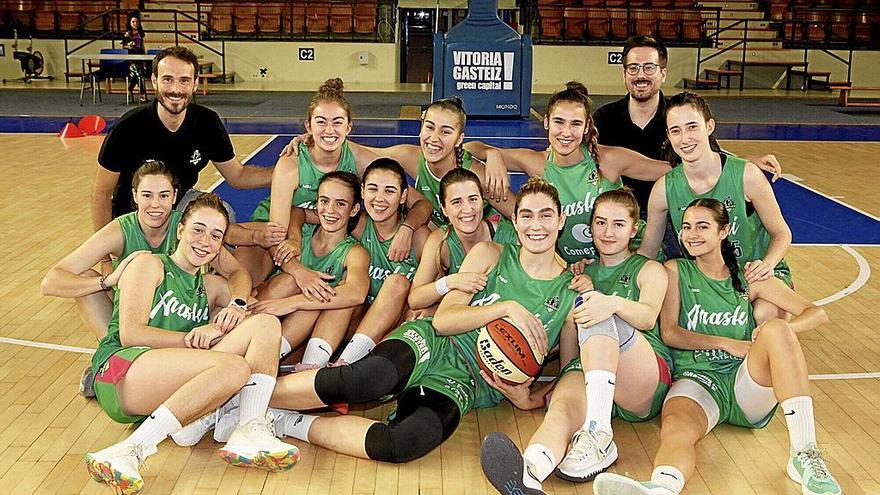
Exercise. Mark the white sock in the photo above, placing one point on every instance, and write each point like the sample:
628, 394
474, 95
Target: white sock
798, 413
296, 425
668, 477
541, 461
600, 399
254, 397
285, 347
360, 346
154, 429
318, 351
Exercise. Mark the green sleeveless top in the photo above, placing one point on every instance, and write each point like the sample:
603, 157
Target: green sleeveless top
504, 234
380, 265
578, 187
332, 262
429, 185
622, 280
747, 233
711, 307
133, 238
550, 300
180, 303
306, 193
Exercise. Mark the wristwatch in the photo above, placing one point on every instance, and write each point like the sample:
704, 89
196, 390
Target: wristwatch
238, 303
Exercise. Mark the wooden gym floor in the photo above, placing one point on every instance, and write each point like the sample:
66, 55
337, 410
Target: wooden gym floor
46, 427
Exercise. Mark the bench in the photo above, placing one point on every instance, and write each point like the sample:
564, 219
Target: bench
845, 90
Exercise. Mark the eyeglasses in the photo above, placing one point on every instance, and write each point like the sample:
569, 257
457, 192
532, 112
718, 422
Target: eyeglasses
649, 68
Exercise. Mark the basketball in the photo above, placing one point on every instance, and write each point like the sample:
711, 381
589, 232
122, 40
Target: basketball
504, 351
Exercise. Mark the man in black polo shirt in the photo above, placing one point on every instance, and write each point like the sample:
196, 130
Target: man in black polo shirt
184, 135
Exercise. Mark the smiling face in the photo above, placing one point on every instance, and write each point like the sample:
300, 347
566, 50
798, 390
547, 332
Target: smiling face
329, 125
463, 206
642, 86
201, 236
440, 134
700, 231
175, 84
566, 126
537, 221
135, 23
154, 198
383, 196
688, 132
335, 205
613, 227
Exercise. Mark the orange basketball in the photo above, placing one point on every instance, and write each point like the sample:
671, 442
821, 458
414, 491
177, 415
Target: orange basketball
503, 350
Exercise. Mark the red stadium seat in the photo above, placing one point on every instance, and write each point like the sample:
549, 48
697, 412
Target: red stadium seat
619, 24
318, 18
645, 22
293, 22
668, 26
220, 18
692, 26
575, 22
551, 21
45, 18
245, 19
598, 24
841, 26
341, 18
365, 17
269, 18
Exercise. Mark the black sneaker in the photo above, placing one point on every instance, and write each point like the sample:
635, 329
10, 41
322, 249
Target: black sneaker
503, 465
87, 383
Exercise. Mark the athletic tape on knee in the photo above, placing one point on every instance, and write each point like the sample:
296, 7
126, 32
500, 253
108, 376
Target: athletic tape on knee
615, 328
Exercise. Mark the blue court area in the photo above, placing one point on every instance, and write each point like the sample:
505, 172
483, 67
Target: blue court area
813, 217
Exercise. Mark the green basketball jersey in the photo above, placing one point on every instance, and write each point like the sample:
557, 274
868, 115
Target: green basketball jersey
180, 303
622, 280
333, 262
429, 185
747, 233
133, 238
504, 234
578, 187
550, 300
711, 307
380, 265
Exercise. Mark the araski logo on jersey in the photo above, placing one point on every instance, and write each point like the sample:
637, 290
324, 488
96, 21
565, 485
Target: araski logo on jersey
483, 70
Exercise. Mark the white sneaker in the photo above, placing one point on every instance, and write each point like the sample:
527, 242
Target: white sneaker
615, 484
117, 466
228, 422
254, 445
591, 453
192, 433
808, 468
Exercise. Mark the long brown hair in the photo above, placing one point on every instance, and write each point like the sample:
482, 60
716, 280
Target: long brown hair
454, 176
720, 215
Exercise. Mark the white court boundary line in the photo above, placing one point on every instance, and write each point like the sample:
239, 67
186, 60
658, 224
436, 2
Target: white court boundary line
861, 279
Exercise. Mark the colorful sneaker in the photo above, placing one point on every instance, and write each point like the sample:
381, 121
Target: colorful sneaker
254, 445
591, 453
117, 466
87, 383
615, 484
504, 466
228, 422
808, 468
192, 433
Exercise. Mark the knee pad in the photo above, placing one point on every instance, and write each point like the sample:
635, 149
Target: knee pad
370, 378
424, 420
615, 328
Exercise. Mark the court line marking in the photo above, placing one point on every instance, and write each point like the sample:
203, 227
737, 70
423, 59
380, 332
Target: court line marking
243, 162
861, 280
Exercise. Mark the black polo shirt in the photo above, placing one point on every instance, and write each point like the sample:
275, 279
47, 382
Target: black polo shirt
140, 135
617, 129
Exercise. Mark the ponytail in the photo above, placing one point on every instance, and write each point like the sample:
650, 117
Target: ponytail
729, 256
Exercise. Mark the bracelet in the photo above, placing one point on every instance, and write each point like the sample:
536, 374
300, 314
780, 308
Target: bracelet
103, 283
408, 226
441, 287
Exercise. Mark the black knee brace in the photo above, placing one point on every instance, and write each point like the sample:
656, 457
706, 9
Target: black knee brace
424, 419
378, 374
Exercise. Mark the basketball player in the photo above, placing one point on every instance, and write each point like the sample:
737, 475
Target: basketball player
759, 235
152, 228
431, 365
163, 362
727, 369
174, 130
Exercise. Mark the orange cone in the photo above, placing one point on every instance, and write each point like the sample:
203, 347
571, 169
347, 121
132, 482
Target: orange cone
70, 130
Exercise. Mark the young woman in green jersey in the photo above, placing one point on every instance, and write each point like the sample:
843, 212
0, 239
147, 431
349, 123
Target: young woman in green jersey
727, 370
626, 367
461, 202
164, 363
331, 262
152, 228
575, 163
295, 183
759, 235
431, 366
439, 151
